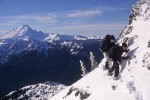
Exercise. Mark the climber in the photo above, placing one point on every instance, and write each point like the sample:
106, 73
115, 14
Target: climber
107, 43
115, 54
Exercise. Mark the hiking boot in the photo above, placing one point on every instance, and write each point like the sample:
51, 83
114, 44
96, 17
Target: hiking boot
116, 78
106, 66
109, 73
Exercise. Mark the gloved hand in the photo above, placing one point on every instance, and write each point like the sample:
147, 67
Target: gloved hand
127, 57
119, 60
126, 50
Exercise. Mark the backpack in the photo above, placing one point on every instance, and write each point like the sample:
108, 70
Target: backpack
107, 37
104, 44
115, 52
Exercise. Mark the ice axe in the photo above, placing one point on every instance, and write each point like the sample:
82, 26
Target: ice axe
124, 56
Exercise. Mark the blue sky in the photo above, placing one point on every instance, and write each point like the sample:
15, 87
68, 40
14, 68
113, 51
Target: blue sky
78, 17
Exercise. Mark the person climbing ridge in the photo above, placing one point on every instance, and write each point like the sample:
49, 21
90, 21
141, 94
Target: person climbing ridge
107, 43
115, 54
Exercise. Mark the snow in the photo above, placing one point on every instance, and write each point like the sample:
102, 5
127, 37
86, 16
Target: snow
133, 83
26, 33
79, 37
40, 91
95, 37
99, 85
75, 46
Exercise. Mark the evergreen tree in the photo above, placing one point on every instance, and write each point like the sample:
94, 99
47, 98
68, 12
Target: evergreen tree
83, 68
93, 61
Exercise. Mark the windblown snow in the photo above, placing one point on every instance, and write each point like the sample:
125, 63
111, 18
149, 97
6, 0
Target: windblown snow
134, 83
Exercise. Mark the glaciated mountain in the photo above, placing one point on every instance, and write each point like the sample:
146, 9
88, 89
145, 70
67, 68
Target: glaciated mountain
41, 91
134, 81
24, 33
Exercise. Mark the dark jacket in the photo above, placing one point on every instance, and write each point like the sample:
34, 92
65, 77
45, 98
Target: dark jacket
106, 45
116, 52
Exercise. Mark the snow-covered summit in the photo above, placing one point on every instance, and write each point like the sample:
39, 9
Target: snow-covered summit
134, 81
25, 33
140, 11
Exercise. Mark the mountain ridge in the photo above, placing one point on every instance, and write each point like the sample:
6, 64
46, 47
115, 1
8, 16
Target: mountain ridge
24, 32
37, 91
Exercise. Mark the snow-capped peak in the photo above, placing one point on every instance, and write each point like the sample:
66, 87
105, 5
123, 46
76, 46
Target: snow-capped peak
18, 31
24, 27
140, 11
24, 32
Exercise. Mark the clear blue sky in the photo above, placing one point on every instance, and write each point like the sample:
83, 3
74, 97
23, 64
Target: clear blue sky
84, 17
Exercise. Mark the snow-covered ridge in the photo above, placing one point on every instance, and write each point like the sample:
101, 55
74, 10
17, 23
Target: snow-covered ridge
26, 33
134, 81
140, 11
40, 91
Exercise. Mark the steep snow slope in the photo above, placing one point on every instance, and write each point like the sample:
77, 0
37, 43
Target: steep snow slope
134, 81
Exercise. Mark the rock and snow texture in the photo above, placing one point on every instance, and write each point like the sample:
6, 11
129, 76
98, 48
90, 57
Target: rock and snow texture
134, 83
41, 91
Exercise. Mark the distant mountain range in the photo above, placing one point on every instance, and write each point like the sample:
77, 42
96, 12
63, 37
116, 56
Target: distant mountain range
24, 32
29, 57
